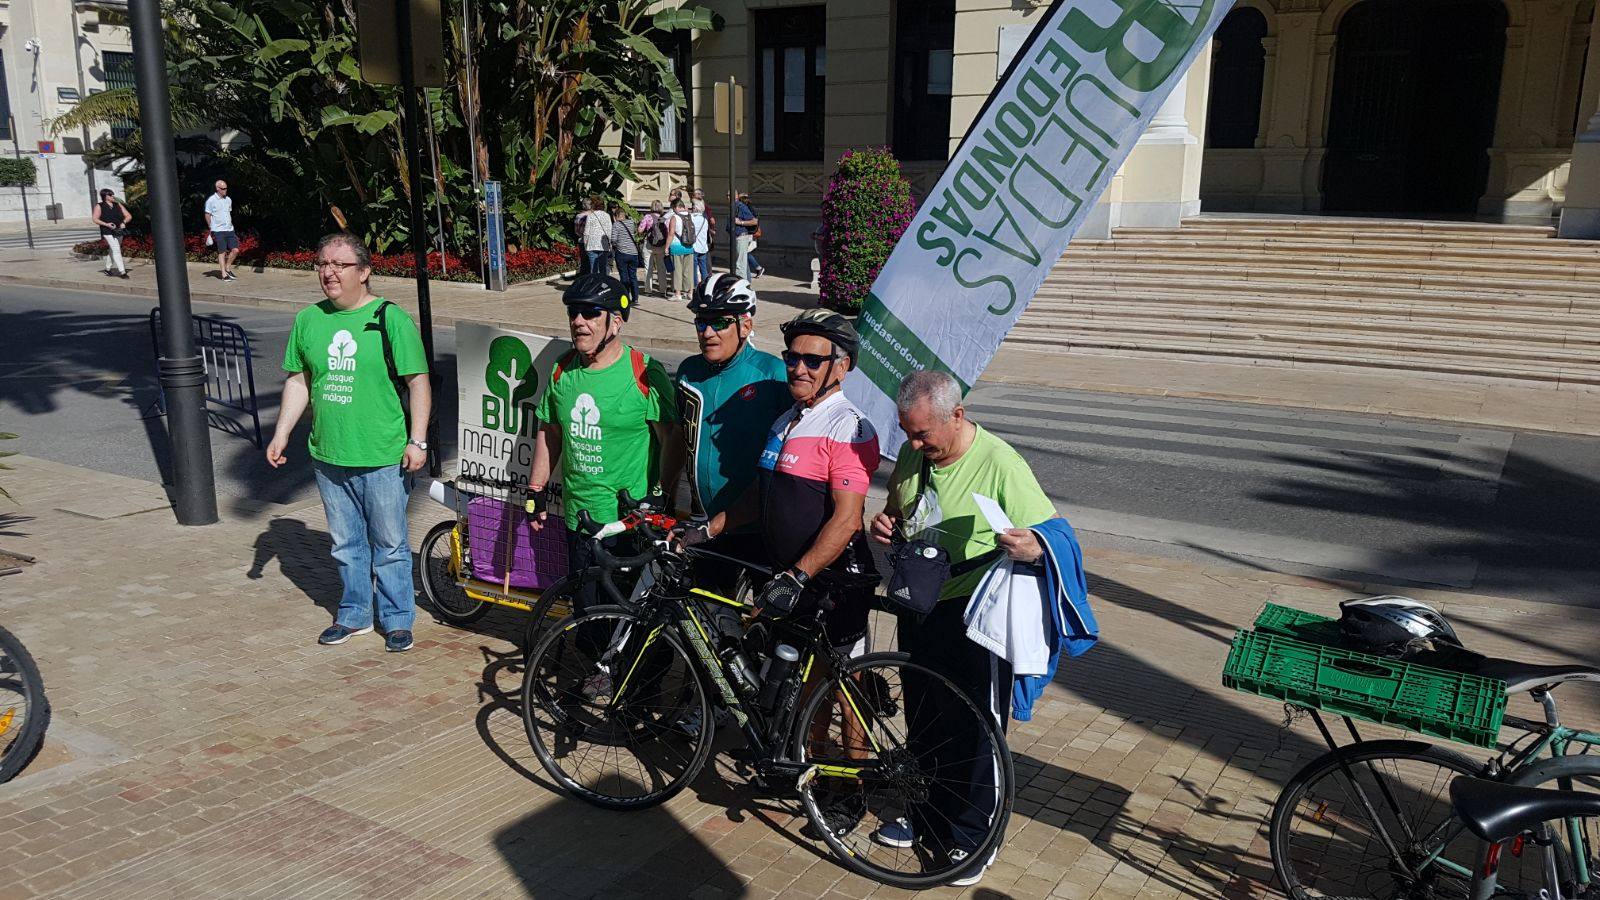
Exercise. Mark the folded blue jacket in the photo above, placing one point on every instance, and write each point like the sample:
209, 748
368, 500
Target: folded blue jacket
1072, 621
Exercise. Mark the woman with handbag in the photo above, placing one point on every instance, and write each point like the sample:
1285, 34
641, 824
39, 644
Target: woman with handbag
113, 219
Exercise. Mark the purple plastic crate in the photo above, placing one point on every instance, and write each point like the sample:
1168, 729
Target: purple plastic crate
499, 538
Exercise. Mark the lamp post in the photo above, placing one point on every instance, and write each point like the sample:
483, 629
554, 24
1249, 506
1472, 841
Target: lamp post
183, 373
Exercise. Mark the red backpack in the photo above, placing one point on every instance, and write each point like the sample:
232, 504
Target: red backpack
641, 363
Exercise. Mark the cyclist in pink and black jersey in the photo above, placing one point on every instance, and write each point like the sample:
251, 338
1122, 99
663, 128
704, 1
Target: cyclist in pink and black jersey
818, 461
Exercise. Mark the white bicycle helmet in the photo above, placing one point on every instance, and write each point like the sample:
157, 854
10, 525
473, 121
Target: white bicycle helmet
1393, 625
723, 293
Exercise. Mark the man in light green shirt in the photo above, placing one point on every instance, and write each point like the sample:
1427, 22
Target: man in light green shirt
947, 458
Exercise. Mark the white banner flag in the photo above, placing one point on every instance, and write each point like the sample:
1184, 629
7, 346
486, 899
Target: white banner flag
1043, 149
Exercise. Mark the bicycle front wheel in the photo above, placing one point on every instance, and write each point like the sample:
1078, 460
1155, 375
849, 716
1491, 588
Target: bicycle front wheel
615, 710
910, 781
23, 709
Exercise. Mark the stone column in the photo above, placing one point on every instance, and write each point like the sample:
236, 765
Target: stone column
1580, 218
1286, 113
1161, 178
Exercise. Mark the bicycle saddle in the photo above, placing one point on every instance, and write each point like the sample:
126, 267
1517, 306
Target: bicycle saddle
1496, 812
1518, 676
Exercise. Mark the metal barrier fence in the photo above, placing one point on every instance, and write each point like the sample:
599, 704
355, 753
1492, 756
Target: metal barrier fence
225, 350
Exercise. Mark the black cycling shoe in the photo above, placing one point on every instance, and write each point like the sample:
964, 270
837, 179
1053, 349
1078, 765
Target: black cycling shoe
844, 814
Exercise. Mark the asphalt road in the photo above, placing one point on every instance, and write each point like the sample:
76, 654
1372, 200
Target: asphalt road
1290, 490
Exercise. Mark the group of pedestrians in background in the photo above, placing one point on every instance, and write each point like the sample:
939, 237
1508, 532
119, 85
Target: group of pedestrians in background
114, 217
673, 242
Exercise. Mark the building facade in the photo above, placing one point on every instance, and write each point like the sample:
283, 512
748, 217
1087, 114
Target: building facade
1432, 108
52, 52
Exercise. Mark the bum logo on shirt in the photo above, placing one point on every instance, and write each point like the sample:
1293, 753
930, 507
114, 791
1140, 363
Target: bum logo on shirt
585, 418
342, 352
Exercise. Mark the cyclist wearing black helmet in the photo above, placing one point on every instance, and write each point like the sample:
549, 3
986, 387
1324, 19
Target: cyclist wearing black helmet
818, 461
609, 416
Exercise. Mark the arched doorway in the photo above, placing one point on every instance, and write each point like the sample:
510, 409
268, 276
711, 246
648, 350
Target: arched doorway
1415, 88
1238, 65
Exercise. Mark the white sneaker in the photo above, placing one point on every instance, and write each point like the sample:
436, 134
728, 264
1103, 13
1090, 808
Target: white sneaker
976, 875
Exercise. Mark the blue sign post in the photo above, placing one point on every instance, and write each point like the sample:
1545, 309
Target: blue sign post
494, 231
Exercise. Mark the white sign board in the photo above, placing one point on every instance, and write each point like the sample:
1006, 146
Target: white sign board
1039, 154
502, 376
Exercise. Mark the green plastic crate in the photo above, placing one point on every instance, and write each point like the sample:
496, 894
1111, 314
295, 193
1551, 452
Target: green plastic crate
1450, 705
1297, 624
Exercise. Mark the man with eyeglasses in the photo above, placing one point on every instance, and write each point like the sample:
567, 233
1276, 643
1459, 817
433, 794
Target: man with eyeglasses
219, 219
609, 418
350, 358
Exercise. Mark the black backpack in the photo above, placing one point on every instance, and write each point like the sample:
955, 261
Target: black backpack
380, 324
657, 235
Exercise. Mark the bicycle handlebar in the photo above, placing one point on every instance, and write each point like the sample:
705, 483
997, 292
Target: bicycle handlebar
654, 526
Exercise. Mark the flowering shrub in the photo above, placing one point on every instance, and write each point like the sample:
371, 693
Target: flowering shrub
865, 209
524, 265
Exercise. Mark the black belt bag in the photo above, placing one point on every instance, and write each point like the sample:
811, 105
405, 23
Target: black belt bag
921, 567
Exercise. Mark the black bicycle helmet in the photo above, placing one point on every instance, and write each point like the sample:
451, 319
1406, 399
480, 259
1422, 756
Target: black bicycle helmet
825, 323
599, 290
1393, 625
723, 293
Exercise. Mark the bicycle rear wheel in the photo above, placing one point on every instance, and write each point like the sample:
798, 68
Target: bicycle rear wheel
907, 751
23, 708
438, 568
1374, 820
608, 702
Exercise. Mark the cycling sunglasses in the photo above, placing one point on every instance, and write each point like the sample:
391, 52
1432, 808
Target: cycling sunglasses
721, 323
586, 312
813, 361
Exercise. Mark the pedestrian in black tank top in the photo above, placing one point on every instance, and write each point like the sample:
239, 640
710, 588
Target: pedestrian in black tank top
113, 219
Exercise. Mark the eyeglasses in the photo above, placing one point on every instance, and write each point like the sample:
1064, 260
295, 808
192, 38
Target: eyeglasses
812, 361
337, 267
585, 312
720, 323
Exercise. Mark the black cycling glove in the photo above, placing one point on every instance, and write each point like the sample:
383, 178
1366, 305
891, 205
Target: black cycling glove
695, 535
780, 595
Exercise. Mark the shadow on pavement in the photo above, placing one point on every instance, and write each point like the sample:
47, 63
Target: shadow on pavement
305, 557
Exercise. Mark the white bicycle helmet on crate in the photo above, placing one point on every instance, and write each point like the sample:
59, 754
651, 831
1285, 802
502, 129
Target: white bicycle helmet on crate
1393, 626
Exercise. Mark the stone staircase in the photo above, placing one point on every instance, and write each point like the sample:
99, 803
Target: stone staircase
1501, 301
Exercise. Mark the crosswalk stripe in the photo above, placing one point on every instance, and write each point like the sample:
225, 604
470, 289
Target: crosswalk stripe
49, 240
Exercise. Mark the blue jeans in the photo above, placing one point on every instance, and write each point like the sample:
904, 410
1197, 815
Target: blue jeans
366, 511
628, 274
702, 267
599, 262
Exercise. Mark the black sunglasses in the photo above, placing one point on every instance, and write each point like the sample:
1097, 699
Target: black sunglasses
718, 324
813, 361
585, 312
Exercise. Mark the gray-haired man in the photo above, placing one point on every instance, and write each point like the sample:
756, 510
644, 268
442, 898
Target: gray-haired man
946, 459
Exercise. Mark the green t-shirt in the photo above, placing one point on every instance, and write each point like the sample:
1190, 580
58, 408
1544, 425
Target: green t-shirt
605, 431
356, 419
949, 516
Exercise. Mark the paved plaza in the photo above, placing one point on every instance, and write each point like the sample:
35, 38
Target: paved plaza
203, 745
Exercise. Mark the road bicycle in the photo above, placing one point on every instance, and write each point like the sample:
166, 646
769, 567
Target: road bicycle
23, 709
616, 700
1511, 816
1372, 819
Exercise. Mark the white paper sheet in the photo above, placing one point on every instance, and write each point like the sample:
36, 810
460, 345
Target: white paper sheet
998, 520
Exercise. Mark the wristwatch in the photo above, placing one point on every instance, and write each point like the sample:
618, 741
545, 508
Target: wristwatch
420, 445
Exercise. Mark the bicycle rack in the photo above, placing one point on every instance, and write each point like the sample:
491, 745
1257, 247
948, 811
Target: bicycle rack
224, 349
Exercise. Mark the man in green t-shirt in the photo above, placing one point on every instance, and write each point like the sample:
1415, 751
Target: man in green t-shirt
947, 458
364, 443
609, 418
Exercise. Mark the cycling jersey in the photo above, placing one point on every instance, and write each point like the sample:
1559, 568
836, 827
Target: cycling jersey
811, 452
736, 404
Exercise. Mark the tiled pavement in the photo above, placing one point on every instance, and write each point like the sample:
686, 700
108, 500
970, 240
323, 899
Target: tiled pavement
203, 745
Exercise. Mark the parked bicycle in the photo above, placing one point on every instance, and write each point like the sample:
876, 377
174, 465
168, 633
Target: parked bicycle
1372, 818
615, 704
23, 709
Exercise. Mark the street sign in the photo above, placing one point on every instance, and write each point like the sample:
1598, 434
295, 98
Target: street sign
721, 108
494, 228
378, 41
47, 147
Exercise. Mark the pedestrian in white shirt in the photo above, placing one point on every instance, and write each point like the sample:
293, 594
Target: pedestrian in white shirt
219, 219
